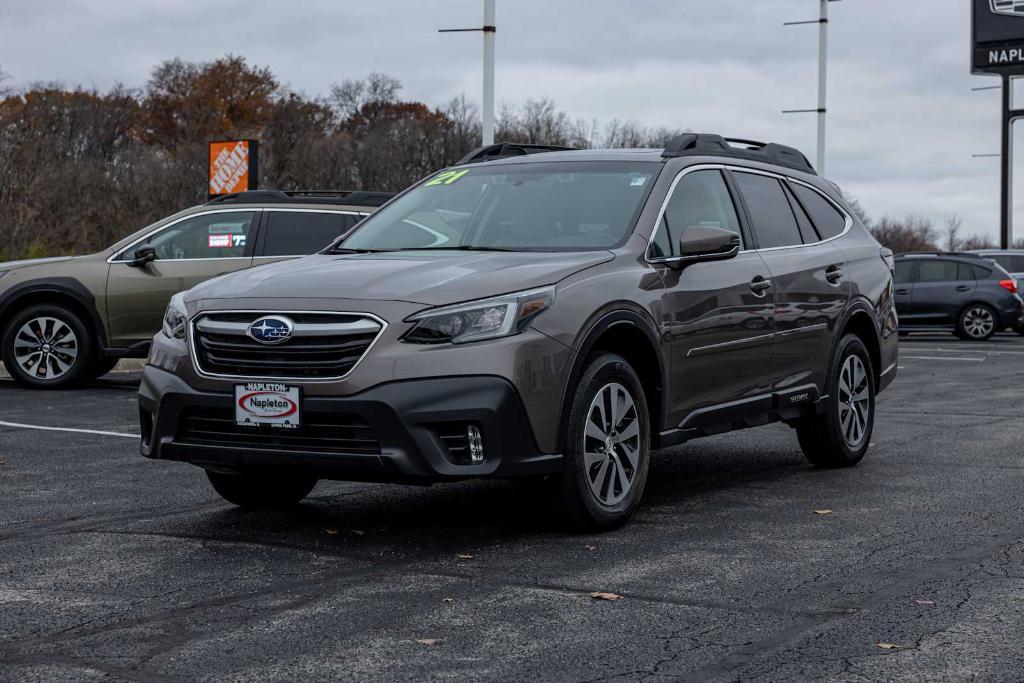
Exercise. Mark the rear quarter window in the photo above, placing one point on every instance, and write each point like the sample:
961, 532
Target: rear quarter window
829, 221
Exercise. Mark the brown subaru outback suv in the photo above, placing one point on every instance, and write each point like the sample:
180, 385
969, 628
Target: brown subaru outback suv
72, 318
549, 316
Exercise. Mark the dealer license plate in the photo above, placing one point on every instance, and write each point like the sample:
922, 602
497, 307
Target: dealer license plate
267, 403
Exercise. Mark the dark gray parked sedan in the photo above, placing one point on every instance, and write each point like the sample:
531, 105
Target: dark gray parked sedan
959, 292
551, 316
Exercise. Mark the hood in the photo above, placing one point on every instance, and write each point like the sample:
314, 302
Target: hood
431, 278
14, 265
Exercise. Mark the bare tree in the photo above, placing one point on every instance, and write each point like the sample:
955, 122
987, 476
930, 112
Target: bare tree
857, 209
953, 225
978, 242
911, 234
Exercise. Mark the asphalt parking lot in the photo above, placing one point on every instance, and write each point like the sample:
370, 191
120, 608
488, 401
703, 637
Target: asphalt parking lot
114, 566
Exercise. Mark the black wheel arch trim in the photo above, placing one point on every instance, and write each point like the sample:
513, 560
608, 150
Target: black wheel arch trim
608, 317
62, 286
857, 306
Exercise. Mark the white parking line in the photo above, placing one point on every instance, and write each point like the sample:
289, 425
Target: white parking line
972, 349
41, 428
972, 360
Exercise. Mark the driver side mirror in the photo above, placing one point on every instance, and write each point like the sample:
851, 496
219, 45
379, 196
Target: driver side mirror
142, 257
707, 243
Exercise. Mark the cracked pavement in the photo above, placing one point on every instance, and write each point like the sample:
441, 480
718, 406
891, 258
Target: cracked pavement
115, 567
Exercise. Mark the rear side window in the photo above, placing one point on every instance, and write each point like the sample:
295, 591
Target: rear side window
1013, 263
773, 219
827, 218
904, 272
700, 199
297, 233
938, 271
981, 273
807, 232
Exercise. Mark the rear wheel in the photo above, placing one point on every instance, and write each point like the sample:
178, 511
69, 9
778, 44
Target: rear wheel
840, 436
261, 491
47, 347
977, 323
607, 446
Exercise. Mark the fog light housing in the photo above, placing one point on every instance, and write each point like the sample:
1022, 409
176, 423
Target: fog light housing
476, 444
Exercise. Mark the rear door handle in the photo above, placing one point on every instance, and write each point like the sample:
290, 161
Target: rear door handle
963, 288
903, 291
760, 284
834, 274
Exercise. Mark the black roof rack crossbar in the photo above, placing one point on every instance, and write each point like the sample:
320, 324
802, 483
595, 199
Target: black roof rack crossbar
336, 197
503, 150
698, 144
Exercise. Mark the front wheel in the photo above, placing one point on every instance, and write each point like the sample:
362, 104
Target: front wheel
607, 447
261, 491
840, 436
976, 323
47, 347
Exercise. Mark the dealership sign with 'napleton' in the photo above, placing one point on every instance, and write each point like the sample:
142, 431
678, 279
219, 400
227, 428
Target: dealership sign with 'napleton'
233, 166
997, 37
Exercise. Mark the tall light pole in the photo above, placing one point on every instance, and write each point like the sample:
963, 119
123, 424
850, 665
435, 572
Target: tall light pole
489, 29
822, 22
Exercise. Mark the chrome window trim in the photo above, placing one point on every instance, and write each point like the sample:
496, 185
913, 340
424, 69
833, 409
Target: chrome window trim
167, 226
257, 209
288, 380
742, 169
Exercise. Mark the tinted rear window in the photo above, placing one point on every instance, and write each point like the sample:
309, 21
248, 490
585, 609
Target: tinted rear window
297, 233
904, 272
771, 214
827, 218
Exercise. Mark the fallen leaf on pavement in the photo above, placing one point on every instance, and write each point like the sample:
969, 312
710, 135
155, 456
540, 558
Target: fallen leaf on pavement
888, 646
590, 547
924, 603
332, 532
448, 600
427, 641
463, 556
601, 595
823, 512
357, 532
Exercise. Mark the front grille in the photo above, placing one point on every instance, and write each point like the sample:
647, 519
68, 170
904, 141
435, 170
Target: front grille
319, 433
322, 345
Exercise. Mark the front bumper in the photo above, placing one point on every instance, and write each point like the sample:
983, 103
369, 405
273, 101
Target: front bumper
406, 420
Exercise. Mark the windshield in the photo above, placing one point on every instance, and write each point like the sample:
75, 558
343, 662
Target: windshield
560, 206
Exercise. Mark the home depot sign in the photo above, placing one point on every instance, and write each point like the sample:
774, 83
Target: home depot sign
234, 166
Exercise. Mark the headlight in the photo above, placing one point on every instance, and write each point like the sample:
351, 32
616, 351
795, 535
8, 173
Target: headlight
486, 319
175, 318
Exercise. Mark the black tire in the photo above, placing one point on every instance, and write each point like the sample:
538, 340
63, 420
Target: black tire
101, 367
1018, 328
826, 439
61, 332
261, 491
620, 481
977, 322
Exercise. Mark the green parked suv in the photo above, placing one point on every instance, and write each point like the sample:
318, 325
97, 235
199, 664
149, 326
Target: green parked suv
72, 318
552, 316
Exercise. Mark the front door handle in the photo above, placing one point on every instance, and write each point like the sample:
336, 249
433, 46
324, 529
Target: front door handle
760, 284
963, 288
833, 274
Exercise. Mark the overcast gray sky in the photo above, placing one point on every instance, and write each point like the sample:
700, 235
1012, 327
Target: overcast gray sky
903, 122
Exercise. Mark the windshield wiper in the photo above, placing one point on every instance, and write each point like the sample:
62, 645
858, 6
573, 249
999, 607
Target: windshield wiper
345, 250
461, 247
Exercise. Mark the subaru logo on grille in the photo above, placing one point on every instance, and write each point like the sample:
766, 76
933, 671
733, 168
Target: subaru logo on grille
1014, 8
271, 330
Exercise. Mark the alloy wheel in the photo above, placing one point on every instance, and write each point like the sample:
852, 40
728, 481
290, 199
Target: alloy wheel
978, 322
611, 444
45, 348
854, 400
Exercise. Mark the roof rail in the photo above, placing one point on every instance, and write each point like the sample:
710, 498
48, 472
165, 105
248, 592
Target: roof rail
697, 144
337, 197
966, 254
503, 150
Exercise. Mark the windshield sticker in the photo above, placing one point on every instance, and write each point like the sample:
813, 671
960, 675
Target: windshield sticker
218, 241
446, 178
638, 181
